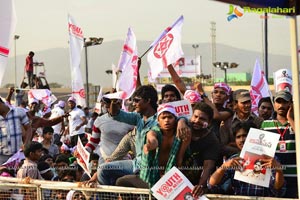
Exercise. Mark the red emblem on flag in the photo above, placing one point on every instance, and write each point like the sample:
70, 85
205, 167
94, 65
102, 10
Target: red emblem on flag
4, 51
163, 45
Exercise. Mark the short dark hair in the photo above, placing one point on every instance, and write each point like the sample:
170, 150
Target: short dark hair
204, 108
32, 147
169, 87
147, 92
243, 125
48, 129
31, 53
62, 158
264, 99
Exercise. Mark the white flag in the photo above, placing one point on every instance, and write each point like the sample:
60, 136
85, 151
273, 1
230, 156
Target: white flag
8, 21
129, 65
76, 46
167, 50
259, 87
43, 95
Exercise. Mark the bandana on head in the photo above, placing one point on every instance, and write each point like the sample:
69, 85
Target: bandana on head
192, 96
166, 107
223, 86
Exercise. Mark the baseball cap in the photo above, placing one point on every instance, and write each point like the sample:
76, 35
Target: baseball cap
242, 95
283, 94
192, 96
61, 104
166, 108
72, 99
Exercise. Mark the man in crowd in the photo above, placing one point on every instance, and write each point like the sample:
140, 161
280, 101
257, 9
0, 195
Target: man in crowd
283, 124
242, 107
204, 149
265, 108
29, 68
12, 121
60, 127
32, 152
77, 120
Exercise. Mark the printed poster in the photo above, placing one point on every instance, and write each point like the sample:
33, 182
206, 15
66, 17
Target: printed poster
83, 157
174, 185
182, 108
283, 80
259, 144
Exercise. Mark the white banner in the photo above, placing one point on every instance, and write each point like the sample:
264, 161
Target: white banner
83, 157
187, 66
283, 80
167, 51
43, 95
174, 185
182, 108
259, 144
259, 87
76, 46
129, 65
8, 22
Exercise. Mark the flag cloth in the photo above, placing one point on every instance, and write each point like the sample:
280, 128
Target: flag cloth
8, 22
167, 50
76, 46
259, 87
43, 95
129, 64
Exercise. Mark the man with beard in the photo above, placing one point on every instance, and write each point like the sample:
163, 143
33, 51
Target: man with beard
283, 124
204, 149
242, 107
265, 108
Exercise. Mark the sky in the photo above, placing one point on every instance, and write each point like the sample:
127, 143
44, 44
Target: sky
42, 24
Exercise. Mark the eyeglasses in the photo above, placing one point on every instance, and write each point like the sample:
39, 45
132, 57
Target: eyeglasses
136, 100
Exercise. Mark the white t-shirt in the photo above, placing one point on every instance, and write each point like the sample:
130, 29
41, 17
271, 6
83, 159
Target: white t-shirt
57, 112
75, 120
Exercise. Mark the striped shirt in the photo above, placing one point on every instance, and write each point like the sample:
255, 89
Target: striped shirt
287, 158
11, 131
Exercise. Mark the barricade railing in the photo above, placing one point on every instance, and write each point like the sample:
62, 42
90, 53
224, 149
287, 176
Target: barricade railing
29, 189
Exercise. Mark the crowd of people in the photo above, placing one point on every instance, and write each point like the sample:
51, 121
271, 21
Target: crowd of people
135, 148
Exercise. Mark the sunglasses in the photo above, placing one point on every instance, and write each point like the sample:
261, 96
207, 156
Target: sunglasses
136, 100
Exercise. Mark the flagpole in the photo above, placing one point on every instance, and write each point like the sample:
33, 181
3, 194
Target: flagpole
146, 52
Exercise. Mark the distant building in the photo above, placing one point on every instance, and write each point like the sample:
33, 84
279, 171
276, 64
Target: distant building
235, 77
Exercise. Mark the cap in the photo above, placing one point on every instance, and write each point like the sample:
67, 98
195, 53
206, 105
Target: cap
61, 104
33, 100
192, 96
242, 95
223, 86
72, 99
283, 94
166, 108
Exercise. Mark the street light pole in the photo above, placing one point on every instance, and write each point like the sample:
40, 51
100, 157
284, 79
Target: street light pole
86, 74
92, 42
15, 38
224, 66
195, 46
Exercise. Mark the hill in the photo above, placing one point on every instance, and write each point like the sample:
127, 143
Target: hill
100, 59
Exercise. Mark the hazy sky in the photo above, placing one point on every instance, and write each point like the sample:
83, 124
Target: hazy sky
43, 24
